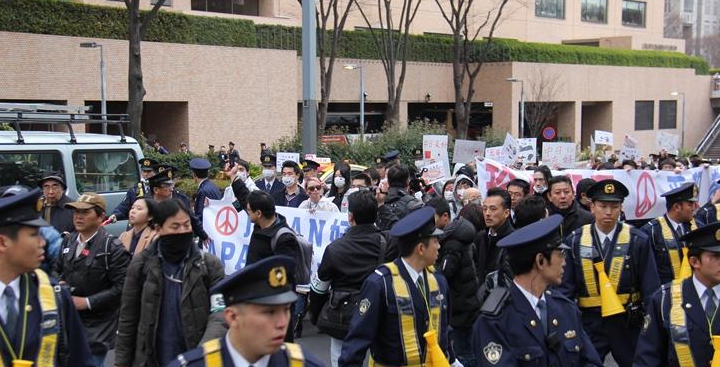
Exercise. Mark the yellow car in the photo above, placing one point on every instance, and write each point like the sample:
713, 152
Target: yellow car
327, 171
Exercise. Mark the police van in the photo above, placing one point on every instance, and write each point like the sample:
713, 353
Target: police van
105, 164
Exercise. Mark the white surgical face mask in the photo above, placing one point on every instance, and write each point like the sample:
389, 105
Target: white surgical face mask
448, 195
460, 193
418, 195
242, 176
268, 173
540, 189
339, 182
288, 180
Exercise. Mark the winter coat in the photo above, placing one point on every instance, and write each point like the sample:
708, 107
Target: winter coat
573, 218
456, 263
141, 299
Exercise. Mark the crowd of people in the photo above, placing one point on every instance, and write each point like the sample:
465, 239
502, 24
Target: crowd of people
542, 273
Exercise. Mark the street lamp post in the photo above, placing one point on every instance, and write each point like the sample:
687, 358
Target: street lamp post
522, 105
103, 99
682, 129
362, 96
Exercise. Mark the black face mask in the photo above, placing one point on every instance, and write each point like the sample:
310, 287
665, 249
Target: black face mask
174, 247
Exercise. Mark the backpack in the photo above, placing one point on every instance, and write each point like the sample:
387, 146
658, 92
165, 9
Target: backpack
302, 271
404, 205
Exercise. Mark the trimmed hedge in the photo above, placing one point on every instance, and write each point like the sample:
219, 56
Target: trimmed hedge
75, 19
714, 71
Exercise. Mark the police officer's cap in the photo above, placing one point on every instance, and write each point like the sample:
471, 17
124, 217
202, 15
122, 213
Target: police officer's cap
167, 167
379, 160
200, 164
268, 160
163, 177
542, 235
418, 153
55, 176
310, 165
608, 190
20, 209
267, 282
686, 192
705, 238
148, 164
416, 225
391, 155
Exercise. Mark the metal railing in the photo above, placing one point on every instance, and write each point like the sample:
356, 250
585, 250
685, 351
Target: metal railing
709, 138
15, 119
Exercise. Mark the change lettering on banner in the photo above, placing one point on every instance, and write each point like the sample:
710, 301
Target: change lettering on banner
230, 231
667, 141
559, 155
467, 150
284, 156
528, 150
645, 187
603, 137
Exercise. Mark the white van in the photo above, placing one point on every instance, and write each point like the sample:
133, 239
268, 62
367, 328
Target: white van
106, 164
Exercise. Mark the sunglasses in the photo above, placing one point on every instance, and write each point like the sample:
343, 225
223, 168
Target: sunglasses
313, 188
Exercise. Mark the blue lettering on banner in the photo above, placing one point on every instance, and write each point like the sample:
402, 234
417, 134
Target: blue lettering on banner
243, 257
227, 251
675, 181
315, 236
296, 225
248, 228
211, 247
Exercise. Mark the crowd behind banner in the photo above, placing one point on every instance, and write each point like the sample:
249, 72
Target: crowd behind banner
148, 295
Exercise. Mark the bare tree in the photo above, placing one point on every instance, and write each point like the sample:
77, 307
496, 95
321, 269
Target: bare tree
711, 48
391, 42
138, 24
468, 55
540, 108
328, 11
672, 25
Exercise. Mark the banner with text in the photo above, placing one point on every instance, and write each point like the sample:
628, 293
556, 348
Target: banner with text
645, 186
230, 231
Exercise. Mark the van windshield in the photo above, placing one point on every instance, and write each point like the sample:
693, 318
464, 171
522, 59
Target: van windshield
27, 168
106, 171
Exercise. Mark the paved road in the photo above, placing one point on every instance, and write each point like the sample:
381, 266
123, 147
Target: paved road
319, 345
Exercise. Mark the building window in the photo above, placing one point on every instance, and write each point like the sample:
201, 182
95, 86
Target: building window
688, 5
668, 114
594, 11
644, 115
633, 13
242, 7
166, 3
550, 8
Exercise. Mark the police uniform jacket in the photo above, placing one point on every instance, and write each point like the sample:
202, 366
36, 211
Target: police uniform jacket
515, 336
376, 326
655, 346
71, 336
141, 298
206, 189
196, 358
123, 209
706, 214
277, 186
661, 250
197, 226
97, 273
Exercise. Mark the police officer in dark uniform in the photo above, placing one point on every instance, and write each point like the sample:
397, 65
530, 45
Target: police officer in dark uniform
269, 182
38, 321
608, 251
206, 188
526, 321
163, 188
391, 158
665, 232
401, 301
708, 213
258, 299
681, 326
148, 168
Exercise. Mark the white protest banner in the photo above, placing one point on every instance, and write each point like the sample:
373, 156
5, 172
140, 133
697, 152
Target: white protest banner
230, 231
559, 155
467, 150
316, 159
667, 141
432, 172
528, 150
630, 149
284, 156
510, 150
435, 147
603, 137
593, 147
493, 153
645, 186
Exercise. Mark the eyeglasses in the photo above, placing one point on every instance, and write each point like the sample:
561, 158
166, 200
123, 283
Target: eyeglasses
313, 188
51, 187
